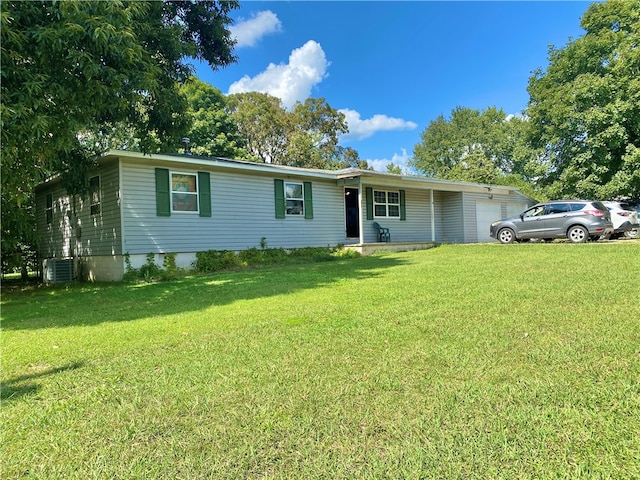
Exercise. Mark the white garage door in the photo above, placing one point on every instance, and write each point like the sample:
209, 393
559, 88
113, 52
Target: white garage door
486, 214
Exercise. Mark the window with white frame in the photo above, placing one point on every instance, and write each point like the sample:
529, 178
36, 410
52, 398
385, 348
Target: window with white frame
386, 204
96, 196
184, 192
294, 196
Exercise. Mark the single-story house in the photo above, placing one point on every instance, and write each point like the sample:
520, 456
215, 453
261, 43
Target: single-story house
183, 204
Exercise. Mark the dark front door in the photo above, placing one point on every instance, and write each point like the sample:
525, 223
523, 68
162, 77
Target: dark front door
352, 213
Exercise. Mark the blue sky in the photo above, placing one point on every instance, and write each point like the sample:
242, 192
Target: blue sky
394, 67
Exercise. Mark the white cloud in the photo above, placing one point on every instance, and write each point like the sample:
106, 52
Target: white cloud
360, 129
511, 116
399, 159
289, 82
248, 32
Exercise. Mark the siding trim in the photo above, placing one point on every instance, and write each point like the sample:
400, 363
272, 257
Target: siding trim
123, 232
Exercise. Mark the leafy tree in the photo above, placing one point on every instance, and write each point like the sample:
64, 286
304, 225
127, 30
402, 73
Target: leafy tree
475, 146
347, 157
322, 126
584, 109
213, 132
393, 168
263, 123
75, 71
306, 136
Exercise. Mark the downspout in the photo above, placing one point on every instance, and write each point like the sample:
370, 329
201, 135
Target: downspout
76, 232
433, 217
119, 192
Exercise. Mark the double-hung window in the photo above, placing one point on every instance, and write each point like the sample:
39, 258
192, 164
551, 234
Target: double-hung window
293, 199
94, 192
184, 192
180, 192
386, 204
294, 195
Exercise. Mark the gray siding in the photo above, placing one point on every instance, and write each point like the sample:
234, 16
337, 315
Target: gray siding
516, 204
54, 239
470, 200
470, 220
243, 212
451, 224
97, 234
417, 226
101, 234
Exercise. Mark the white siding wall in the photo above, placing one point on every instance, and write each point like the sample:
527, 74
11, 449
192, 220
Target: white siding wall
243, 211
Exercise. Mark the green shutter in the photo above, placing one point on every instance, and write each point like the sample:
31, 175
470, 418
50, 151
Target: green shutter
204, 194
163, 194
279, 197
369, 200
403, 207
308, 201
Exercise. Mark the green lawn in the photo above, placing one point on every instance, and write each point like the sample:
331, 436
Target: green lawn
463, 361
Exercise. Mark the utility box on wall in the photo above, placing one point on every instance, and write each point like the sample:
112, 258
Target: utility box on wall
57, 270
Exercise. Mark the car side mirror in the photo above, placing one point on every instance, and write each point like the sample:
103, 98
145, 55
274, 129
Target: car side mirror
522, 217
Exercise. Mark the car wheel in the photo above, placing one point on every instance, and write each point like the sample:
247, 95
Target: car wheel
631, 233
506, 235
577, 234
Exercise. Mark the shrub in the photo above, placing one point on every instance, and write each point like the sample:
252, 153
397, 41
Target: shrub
210, 261
251, 256
274, 255
215, 260
317, 254
345, 253
149, 271
171, 269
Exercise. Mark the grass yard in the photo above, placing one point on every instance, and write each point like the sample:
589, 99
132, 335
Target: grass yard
459, 362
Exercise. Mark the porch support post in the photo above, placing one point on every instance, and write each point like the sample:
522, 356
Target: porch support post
433, 216
360, 217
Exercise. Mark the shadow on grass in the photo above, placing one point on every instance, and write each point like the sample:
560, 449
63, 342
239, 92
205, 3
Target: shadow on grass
17, 387
56, 306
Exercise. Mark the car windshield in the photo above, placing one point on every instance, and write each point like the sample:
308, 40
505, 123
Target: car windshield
534, 212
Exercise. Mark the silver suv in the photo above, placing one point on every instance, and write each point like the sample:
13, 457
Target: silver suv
576, 220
